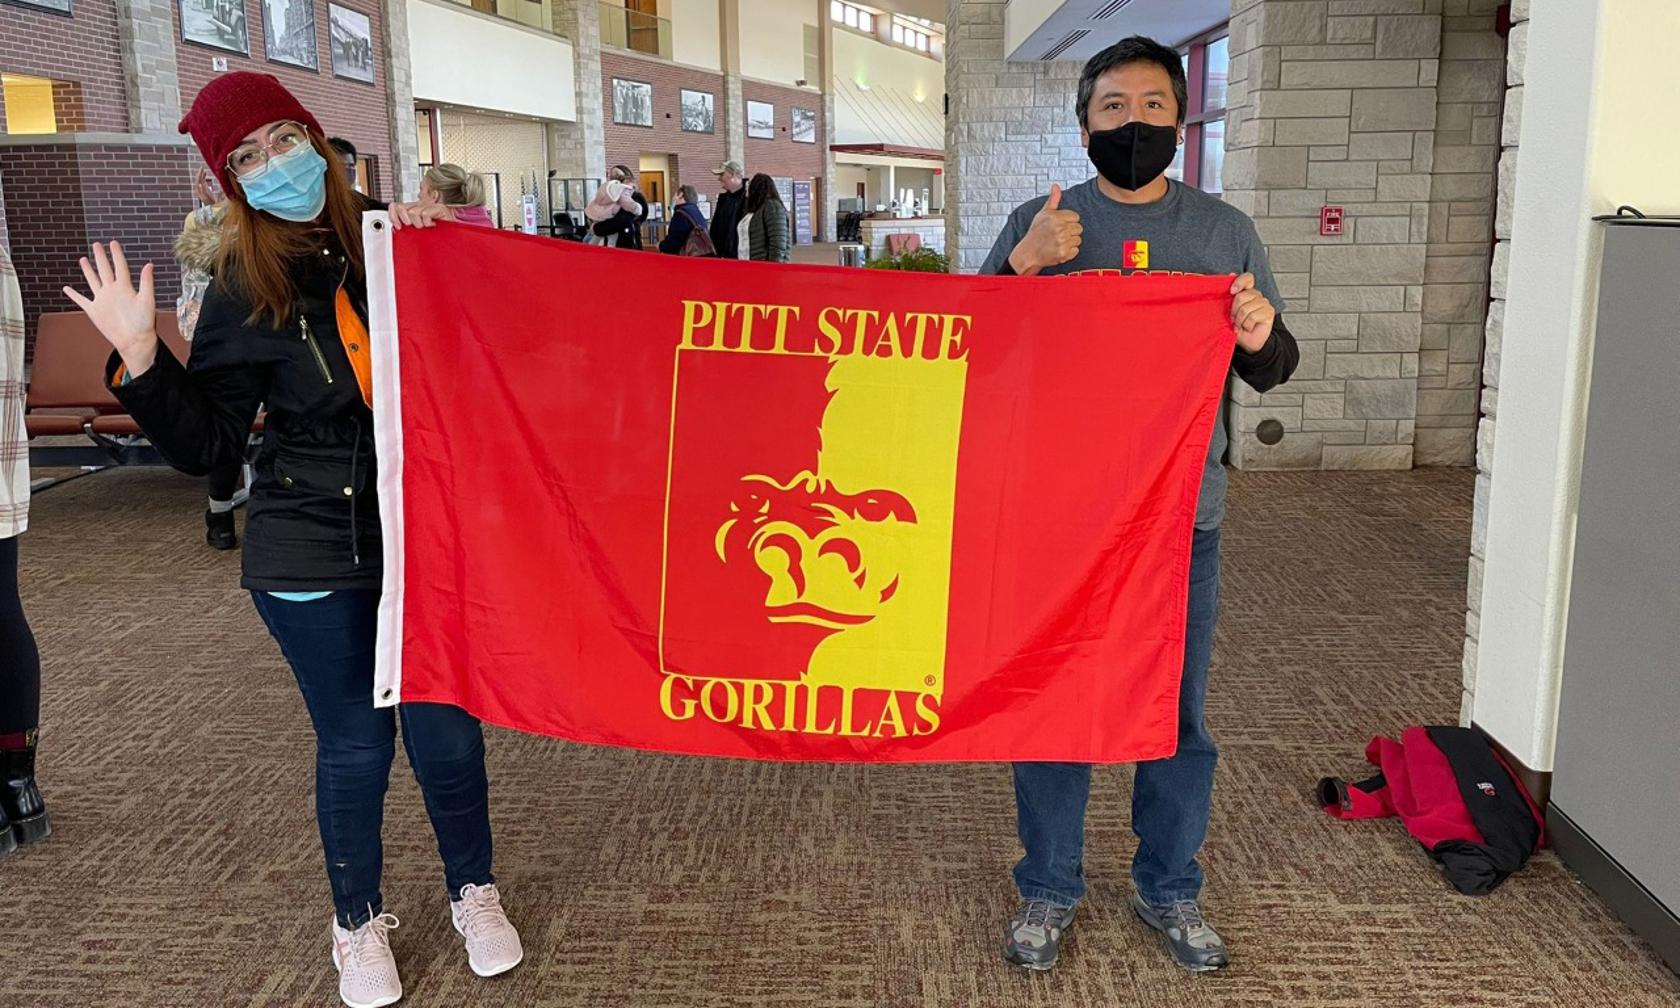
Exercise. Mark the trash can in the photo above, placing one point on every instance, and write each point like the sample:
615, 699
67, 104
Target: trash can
853, 254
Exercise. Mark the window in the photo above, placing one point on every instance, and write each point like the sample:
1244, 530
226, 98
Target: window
1207, 68
852, 17
907, 32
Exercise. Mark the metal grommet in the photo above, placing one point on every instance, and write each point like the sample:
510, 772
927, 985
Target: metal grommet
385, 694
354, 348
379, 225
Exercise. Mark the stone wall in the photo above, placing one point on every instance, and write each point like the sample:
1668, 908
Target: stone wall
578, 149
1341, 103
1468, 94
1510, 127
1009, 133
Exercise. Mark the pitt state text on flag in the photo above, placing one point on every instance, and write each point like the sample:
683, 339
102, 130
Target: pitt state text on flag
788, 512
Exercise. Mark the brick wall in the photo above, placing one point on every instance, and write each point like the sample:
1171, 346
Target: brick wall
781, 156
83, 49
694, 155
356, 111
62, 196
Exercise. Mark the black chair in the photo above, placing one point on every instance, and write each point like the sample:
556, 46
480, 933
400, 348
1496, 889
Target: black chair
565, 228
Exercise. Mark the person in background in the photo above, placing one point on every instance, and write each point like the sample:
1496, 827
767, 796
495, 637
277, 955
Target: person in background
687, 234
23, 813
624, 228
767, 229
615, 197
346, 152
196, 249
726, 213
458, 191
285, 324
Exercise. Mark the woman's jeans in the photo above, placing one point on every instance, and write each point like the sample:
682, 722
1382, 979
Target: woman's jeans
329, 643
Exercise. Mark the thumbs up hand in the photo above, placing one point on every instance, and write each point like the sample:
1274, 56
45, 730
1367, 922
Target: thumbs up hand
1052, 239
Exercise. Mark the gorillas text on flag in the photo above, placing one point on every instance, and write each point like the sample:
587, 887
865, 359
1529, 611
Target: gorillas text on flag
788, 512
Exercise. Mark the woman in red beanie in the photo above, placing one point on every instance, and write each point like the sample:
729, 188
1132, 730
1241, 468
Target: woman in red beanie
283, 327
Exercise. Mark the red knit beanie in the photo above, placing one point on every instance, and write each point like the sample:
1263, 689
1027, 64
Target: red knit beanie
233, 105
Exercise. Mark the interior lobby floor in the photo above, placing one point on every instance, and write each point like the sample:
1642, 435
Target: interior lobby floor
185, 867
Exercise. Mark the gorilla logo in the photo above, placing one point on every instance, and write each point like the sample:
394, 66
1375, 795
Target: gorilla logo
832, 558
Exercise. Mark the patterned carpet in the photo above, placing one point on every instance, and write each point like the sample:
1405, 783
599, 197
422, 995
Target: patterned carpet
185, 867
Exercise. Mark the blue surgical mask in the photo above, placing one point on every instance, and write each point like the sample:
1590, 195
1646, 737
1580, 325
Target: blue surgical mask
292, 187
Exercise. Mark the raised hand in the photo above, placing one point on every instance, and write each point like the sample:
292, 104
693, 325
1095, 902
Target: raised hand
125, 315
1052, 239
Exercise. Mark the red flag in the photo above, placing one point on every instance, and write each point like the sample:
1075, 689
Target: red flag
788, 512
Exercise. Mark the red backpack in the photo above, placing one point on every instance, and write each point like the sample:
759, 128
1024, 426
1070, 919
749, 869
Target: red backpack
1456, 797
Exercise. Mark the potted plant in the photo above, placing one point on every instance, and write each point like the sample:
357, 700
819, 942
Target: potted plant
922, 260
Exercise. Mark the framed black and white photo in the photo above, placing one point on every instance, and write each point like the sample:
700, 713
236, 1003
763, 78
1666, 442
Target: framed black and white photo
219, 24
351, 37
289, 32
804, 126
698, 112
632, 103
761, 120
52, 6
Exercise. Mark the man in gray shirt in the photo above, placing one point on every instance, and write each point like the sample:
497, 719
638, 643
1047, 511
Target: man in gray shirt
1132, 218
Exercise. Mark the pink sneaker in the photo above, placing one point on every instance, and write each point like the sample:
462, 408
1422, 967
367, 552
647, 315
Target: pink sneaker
367, 972
492, 944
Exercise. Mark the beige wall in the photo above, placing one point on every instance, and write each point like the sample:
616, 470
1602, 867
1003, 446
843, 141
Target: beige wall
773, 39
886, 94
473, 60
696, 32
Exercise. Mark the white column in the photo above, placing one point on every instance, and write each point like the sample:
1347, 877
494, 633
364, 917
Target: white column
1585, 148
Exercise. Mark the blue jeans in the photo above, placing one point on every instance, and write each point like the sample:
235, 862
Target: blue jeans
329, 643
1170, 801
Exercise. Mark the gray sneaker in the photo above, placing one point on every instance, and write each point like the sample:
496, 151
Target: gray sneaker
1193, 942
1033, 937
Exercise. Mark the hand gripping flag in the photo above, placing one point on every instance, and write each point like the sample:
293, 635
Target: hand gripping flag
788, 512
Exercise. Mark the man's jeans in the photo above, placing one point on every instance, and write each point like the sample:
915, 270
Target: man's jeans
329, 643
1172, 797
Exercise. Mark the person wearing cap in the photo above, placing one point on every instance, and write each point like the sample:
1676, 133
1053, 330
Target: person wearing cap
283, 326
726, 213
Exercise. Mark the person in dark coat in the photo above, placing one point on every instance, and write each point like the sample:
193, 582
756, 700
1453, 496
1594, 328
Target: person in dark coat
686, 217
283, 325
726, 213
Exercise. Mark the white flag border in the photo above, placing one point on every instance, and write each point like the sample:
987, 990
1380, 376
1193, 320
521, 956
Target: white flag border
388, 450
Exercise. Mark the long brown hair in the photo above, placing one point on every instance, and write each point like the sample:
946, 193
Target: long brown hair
258, 249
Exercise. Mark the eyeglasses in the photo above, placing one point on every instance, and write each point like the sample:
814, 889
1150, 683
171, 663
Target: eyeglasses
251, 158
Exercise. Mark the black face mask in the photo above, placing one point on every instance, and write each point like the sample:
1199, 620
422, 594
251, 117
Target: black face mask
1133, 156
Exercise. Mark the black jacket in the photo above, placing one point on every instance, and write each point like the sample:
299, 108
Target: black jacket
626, 225
312, 523
726, 216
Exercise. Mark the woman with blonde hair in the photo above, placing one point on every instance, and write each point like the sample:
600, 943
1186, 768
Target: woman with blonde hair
458, 190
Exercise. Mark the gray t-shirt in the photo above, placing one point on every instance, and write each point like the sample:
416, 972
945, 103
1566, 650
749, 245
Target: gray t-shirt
1187, 231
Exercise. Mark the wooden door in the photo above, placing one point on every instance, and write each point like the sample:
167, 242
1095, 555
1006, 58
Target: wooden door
653, 187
